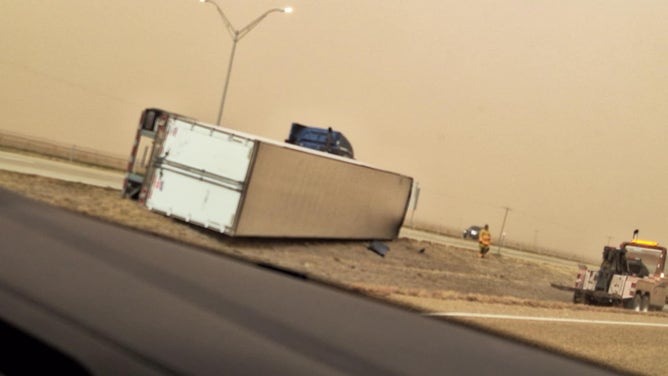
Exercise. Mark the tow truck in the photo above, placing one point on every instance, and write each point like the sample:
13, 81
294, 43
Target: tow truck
631, 276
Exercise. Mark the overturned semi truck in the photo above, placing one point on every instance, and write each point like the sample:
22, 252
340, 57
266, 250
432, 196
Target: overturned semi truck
248, 186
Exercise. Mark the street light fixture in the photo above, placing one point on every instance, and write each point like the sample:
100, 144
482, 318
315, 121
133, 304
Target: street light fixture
236, 37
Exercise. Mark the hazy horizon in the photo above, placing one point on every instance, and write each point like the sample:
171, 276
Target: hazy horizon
552, 109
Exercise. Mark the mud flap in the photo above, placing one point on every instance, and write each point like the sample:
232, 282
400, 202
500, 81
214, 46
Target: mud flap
378, 247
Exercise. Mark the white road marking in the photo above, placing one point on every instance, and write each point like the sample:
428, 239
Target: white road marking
551, 319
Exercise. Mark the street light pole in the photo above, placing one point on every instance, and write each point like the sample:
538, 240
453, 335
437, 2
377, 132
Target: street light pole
227, 82
236, 37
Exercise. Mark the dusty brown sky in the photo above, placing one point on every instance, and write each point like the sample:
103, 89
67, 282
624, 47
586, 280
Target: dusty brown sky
556, 109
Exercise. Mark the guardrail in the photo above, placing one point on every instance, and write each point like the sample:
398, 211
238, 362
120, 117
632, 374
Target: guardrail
72, 153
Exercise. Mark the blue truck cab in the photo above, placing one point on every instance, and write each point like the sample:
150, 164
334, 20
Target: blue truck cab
323, 139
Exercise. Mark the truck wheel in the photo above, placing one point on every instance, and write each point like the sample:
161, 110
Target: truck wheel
636, 302
644, 303
578, 297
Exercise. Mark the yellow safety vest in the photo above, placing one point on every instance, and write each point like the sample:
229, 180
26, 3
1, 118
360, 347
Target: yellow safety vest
485, 237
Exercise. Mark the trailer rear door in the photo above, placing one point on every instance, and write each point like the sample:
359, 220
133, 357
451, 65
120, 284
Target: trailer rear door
200, 175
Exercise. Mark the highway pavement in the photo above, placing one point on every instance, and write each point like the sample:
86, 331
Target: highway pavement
473, 245
61, 170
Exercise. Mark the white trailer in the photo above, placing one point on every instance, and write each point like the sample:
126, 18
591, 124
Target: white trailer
245, 185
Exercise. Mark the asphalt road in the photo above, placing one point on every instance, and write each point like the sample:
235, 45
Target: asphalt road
473, 245
61, 170
117, 301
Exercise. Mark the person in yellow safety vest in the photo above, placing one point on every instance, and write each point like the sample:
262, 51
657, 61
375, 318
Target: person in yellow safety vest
484, 240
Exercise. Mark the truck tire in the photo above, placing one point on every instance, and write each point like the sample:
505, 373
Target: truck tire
578, 297
644, 303
635, 303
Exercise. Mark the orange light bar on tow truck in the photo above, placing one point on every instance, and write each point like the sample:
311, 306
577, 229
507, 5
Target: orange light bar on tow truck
645, 242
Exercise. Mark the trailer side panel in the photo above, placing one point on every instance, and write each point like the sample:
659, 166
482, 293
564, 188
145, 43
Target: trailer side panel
294, 193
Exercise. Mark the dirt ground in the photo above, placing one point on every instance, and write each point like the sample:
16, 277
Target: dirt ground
422, 276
